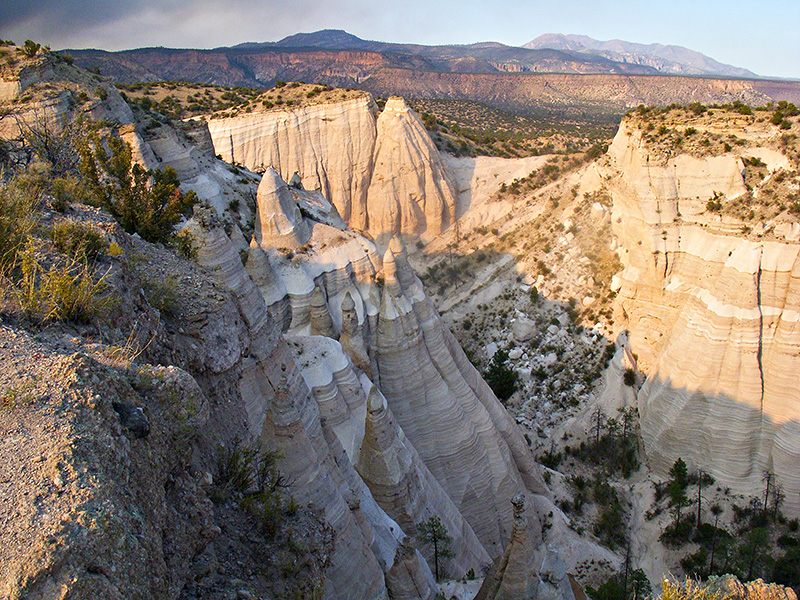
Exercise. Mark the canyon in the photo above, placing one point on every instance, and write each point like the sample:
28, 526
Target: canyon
321, 324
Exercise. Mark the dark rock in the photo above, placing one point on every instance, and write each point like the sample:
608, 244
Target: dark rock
132, 418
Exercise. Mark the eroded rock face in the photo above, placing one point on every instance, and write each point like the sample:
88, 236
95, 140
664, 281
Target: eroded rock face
406, 489
411, 190
511, 576
729, 586
279, 223
713, 318
330, 145
405, 580
383, 174
438, 411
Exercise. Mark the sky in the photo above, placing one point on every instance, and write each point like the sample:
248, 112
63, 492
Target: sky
761, 36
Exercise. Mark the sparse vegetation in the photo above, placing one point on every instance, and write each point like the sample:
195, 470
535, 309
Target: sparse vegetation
500, 376
250, 476
150, 209
470, 128
433, 533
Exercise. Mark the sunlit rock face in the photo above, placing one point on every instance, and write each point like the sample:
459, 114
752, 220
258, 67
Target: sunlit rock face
330, 145
712, 315
382, 172
411, 190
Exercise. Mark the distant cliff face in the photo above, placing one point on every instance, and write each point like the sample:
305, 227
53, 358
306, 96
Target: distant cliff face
710, 295
532, 92
383, 173
554, 80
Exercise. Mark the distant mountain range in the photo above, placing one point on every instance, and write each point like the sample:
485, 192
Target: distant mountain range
556, 73
549, 53
671, 60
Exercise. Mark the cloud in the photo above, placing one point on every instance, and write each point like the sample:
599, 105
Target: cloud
117, 24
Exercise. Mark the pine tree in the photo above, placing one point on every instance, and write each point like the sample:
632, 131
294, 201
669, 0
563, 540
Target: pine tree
433, 533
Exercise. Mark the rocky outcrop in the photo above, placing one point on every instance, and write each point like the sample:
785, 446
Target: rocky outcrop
260, 365
330, 145
279, 223
411, 190
405, 580
445, 414
406, 489
712, 314
729, 586
382, 173
512, 575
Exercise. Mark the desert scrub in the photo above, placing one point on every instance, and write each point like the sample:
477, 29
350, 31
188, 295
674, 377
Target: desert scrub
147, 202
16, 394
77, 240
686, 590
71, 291
251, 476
18, 221
162, 294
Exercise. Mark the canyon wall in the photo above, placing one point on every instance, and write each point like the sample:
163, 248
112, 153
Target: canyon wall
711, 304
382, 172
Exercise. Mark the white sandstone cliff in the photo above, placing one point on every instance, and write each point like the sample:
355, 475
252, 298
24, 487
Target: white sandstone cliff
712, 314
382, 172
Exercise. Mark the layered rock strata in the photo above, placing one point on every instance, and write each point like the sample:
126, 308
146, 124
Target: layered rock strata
445, 414
411, 189
713, 317
383, 173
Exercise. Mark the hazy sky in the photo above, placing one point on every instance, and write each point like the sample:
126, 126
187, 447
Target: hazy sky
761, 36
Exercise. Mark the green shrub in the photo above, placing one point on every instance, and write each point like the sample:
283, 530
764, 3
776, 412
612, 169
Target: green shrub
251, 475
149, 203
629, 378
71, 292
79, 241
18, 221
686, 590
185, 245
30, 48
162, 294
500, 376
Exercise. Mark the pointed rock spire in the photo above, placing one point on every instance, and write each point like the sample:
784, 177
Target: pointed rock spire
351, 338
407, 579
321, 321
513, 575
279, 223
390, 274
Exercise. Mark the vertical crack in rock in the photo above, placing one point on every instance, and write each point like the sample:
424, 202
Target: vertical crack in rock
760, 352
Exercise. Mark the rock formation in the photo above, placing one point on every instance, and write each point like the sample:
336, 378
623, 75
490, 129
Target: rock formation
427, 381
411, 190
712, 314
330, 145
372, 435
407, 490
512, 575
405, 580
279, 223
384, 174
729, 586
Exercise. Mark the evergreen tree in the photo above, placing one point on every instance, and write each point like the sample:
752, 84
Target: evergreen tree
433, 533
